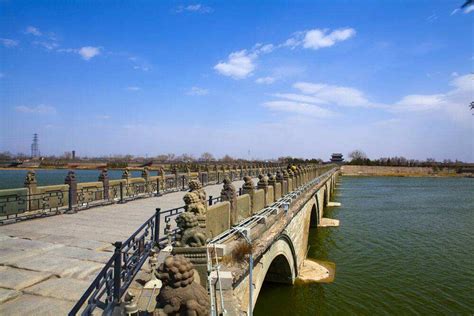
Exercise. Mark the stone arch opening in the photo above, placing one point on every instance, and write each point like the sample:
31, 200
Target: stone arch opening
326, 196
314, 219
279, 271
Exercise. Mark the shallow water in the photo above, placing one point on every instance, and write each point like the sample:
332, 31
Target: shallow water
405, 246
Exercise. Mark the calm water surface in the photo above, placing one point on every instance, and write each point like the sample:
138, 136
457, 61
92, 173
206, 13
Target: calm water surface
405, 246
14, 178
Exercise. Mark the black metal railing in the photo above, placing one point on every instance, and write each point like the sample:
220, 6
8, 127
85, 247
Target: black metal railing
113, 280
129, 256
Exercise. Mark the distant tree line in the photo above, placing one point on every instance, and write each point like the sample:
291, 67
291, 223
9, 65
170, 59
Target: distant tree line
121, 161
358, 157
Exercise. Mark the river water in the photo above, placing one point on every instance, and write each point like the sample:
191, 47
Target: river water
10, 179
405, 247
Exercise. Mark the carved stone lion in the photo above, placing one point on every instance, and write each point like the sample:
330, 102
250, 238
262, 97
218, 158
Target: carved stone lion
193, 204
30, 178
191, 234
263, 182
248, 186
228, 193
180, 295
195, 186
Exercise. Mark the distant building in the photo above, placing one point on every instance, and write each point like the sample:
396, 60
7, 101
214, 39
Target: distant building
73, 155
337, 158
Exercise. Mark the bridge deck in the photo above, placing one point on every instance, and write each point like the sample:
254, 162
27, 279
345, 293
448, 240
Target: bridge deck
47, 263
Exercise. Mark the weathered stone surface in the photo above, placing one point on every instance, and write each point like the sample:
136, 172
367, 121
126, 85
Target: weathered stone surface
75, 242
81, 254
218, 219
60, 288
60, 266
328, 222
35, 305
258, 200
18, 279
314, 271
26, 244
244, 208
6, 295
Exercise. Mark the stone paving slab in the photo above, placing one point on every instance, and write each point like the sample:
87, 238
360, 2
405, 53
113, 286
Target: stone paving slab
35, 305
26, 244
60, 288
80, 254
74, 242
18, 279
55, 258
7, 295
60, 266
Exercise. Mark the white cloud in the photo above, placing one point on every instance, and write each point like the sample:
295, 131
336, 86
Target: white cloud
88, 52
133, 88
469, 9
139, 63
40, 109
432, 18
300, 98
419, 102
464, 83
33, 31
332, 94
316, 39
453, 103
46, 45
9, 43
239, 65
265, 80
197, 91
319, 38
197, 8
454, 74
298, 108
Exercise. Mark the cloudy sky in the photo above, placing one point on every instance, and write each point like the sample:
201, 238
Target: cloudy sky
250, 79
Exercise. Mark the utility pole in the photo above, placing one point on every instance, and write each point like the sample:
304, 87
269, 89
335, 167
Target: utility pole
35, 147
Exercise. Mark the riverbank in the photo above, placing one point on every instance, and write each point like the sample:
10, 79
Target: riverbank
385, 171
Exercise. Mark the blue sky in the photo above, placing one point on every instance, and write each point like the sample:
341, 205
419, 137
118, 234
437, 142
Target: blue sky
273, 78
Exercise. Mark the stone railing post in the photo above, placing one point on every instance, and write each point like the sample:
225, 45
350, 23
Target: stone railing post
146, 177
31, 184
104, 178
248, 188
126, 175
72, 182
262, 183
176, 177
229, 193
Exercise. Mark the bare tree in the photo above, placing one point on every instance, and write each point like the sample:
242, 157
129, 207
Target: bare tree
357, 155
207, 157
227, 158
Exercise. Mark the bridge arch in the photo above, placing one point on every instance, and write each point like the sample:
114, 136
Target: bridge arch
314, 218
277, 265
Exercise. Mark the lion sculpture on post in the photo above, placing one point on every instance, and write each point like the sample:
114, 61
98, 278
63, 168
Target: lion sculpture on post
190, 233
180, 295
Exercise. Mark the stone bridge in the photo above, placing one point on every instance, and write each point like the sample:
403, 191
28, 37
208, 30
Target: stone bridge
46, 264
279, 241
